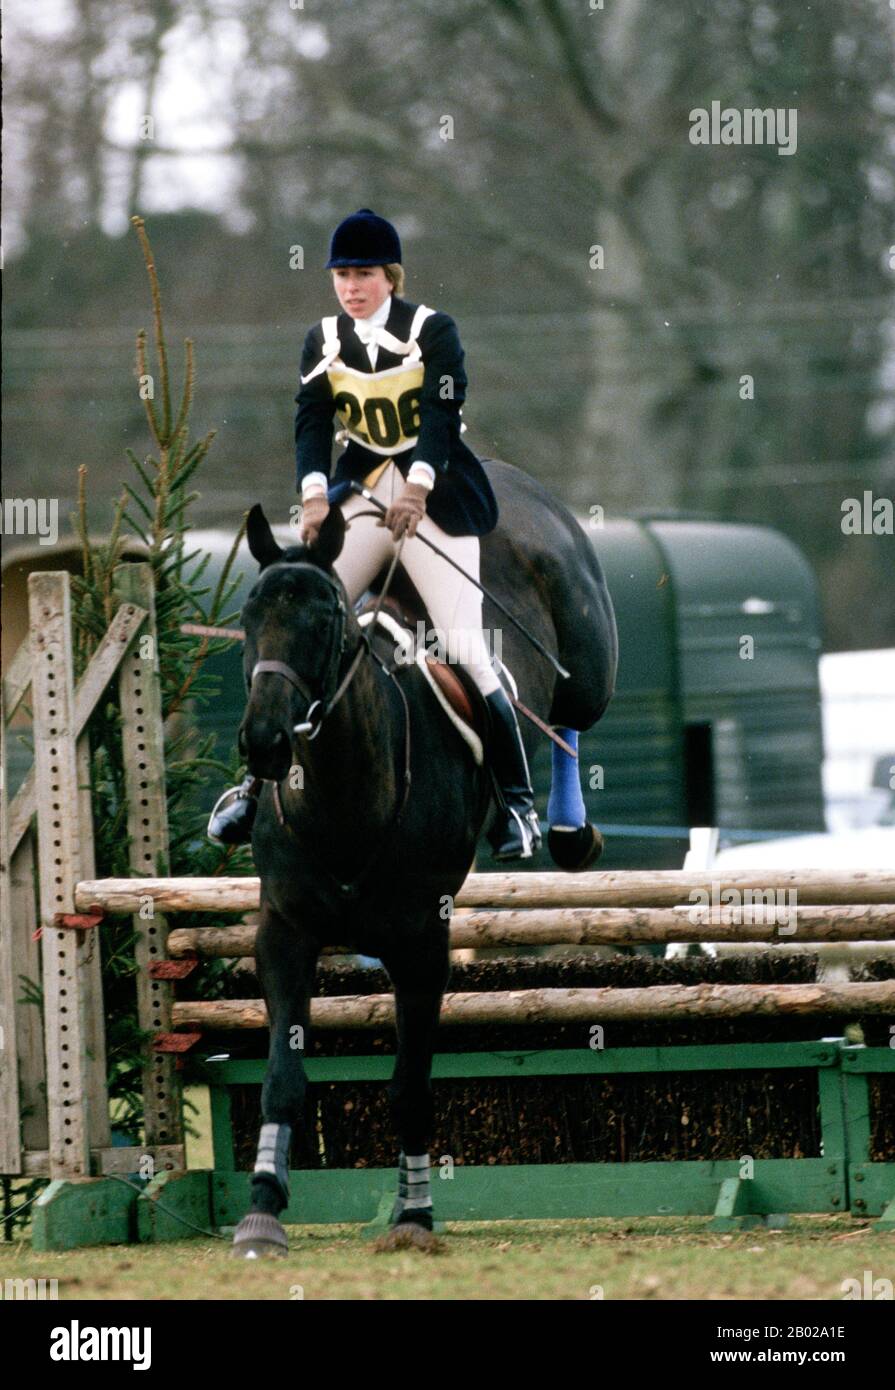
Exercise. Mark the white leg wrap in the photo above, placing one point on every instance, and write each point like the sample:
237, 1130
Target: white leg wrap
413, 1184
273, 1153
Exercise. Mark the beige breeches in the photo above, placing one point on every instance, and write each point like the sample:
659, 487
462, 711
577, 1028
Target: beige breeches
455, 605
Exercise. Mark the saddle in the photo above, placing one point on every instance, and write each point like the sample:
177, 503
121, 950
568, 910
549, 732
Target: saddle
395, 643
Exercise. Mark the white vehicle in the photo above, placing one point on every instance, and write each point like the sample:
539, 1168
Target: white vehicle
870, 849
858, 712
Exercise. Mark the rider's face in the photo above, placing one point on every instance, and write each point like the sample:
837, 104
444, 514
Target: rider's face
361, 288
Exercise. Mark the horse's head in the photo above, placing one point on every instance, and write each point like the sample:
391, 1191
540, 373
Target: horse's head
296, 617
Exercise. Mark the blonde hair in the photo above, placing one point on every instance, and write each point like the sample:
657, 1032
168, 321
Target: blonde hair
394, 273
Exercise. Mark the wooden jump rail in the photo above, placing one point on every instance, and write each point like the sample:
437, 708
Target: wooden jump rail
526, 919
589, 926
525, 1006
539, 909
629, 888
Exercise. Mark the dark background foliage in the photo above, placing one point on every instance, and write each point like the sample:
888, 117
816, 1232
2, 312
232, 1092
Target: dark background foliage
569, 126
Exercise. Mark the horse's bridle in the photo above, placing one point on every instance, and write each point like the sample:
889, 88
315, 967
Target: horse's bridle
320, 707
311, 725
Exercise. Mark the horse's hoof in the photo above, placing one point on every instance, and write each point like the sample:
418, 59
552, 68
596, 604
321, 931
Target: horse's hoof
574, 850
258, 1236
409, 1236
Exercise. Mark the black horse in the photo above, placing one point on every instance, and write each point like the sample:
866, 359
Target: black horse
367, 828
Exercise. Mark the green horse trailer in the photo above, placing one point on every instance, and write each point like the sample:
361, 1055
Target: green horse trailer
716, 718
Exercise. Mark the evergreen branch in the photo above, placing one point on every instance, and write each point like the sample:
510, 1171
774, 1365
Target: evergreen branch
155, 506
112, 557
192, 461
147, 481
142, 374
134, 527
177, 563
189, 381
228, 565
181, 695
139, 501
197, 573
82, 525
161, 349
178, 506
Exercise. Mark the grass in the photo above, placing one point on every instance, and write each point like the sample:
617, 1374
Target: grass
656, 1258
645, 1258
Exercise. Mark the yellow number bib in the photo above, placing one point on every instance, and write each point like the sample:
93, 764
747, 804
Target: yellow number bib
379, 410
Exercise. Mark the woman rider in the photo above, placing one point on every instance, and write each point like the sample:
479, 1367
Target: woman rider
393, 373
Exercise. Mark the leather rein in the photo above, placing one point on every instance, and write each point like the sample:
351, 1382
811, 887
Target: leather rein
318, 709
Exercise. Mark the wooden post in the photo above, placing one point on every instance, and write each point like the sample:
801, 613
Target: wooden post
25, 949
147, 822
65, 951
96, 1095
10, 1118
24, 946
100, 669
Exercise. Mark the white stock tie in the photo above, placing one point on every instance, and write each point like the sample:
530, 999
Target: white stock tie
369, 336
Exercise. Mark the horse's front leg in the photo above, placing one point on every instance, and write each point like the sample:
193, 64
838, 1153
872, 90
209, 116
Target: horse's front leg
419, 977
287, 961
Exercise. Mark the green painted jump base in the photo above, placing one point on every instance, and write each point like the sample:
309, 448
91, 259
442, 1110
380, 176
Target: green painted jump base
103, 1211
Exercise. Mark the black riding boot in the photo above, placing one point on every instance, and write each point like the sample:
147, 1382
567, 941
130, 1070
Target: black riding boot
516, 833
231, 821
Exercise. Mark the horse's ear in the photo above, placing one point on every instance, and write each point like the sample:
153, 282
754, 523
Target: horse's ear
331, 538
261, 539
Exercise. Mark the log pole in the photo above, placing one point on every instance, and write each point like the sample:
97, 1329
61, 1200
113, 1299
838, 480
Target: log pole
625, 888
587, 926
518, 1007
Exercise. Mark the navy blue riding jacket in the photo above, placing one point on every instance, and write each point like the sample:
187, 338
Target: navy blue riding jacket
461, 502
